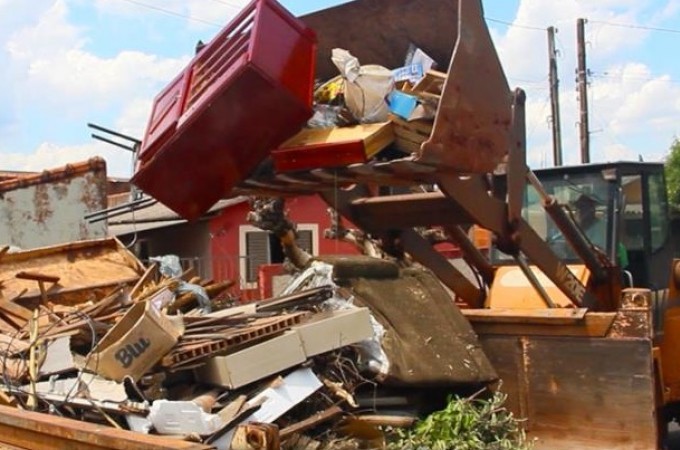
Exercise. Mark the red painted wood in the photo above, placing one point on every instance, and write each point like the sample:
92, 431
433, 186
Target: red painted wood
245, 93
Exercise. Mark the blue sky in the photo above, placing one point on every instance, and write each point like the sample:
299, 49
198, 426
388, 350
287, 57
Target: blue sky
69, 62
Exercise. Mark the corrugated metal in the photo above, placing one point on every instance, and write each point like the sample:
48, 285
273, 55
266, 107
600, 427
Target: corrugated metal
49, 208
159, 212
129, 228
80, 267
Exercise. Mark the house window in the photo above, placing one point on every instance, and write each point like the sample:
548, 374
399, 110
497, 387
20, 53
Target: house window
259, 247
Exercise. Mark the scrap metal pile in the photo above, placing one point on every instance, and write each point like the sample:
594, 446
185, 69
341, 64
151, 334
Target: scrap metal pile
90, 333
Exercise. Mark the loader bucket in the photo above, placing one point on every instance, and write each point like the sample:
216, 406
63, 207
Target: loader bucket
583, 383
381, 32
471, 131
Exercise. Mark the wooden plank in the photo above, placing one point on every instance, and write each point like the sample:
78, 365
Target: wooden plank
432, 82
146, 279
39, 431
311, 421
12, 344
552, 316
80, 267
184, 354
594, 325
16, 311
35, 276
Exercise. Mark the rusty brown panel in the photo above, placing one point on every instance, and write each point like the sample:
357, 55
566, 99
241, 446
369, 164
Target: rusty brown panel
408, 210
81, 268
380, 31
473, 127
38, 431
579, 393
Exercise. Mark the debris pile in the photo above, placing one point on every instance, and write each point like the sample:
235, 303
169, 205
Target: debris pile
90, 333
368, 112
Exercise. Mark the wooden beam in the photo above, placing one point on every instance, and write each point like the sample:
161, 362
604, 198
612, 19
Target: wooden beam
593, 325
311, 421
38, 431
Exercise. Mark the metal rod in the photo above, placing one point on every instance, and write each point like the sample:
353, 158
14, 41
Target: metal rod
534, 281
121, 212
536, 183
109, 141
114, 133
116, 208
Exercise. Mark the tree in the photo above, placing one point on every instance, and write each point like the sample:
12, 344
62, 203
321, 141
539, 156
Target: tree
673, 174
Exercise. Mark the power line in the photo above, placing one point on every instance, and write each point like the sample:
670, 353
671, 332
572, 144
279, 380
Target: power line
601, 22
638, 27
236, 6
614, 76
172, 13
516, 25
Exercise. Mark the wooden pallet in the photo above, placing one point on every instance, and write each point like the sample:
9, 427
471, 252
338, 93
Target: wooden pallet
195, 347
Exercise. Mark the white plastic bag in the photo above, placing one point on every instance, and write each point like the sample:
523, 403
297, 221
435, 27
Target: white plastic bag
366, 87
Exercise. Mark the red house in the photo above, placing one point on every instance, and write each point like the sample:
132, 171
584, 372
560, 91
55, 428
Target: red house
221, 245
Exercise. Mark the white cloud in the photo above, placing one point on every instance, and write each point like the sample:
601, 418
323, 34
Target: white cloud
199, 14
50, 71
49, 155
627, 101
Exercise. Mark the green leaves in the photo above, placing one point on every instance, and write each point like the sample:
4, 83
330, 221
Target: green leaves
465, 424
672, 168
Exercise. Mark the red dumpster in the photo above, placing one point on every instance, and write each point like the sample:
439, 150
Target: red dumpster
247, 91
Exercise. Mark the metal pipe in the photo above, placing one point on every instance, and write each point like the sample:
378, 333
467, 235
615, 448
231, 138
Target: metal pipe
116, 208
121, 212
109, 141
575, 238
114, 133
534, 281
471, 253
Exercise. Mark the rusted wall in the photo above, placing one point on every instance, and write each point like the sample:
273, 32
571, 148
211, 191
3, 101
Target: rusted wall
49, 208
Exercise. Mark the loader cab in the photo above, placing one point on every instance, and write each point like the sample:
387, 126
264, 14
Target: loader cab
629, 223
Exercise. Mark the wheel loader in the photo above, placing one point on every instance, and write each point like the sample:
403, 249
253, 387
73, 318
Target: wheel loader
580, 323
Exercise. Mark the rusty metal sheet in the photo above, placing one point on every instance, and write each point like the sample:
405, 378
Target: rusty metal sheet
578, 392
82, 267
380, 31
472, 129
50, 207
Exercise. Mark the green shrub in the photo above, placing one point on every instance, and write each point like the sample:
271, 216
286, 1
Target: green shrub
465, 424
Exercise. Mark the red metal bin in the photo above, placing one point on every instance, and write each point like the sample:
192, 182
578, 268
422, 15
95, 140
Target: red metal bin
243, 94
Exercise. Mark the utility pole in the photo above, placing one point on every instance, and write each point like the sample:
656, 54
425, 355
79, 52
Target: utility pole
582, 79
555, 99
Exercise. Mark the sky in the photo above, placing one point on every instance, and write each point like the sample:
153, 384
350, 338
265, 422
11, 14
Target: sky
65, 63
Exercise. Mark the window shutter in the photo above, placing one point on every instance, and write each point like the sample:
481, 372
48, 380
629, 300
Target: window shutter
257, 253
305, 240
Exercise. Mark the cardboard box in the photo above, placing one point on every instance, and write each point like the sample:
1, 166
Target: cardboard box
138, 341
334, 329
253, 363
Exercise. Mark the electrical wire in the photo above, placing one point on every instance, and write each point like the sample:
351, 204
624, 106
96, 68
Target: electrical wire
172, 13
235, 6
611, 76
636, 27
515, 25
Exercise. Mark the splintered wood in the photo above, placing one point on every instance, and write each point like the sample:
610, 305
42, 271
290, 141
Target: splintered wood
207, 338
